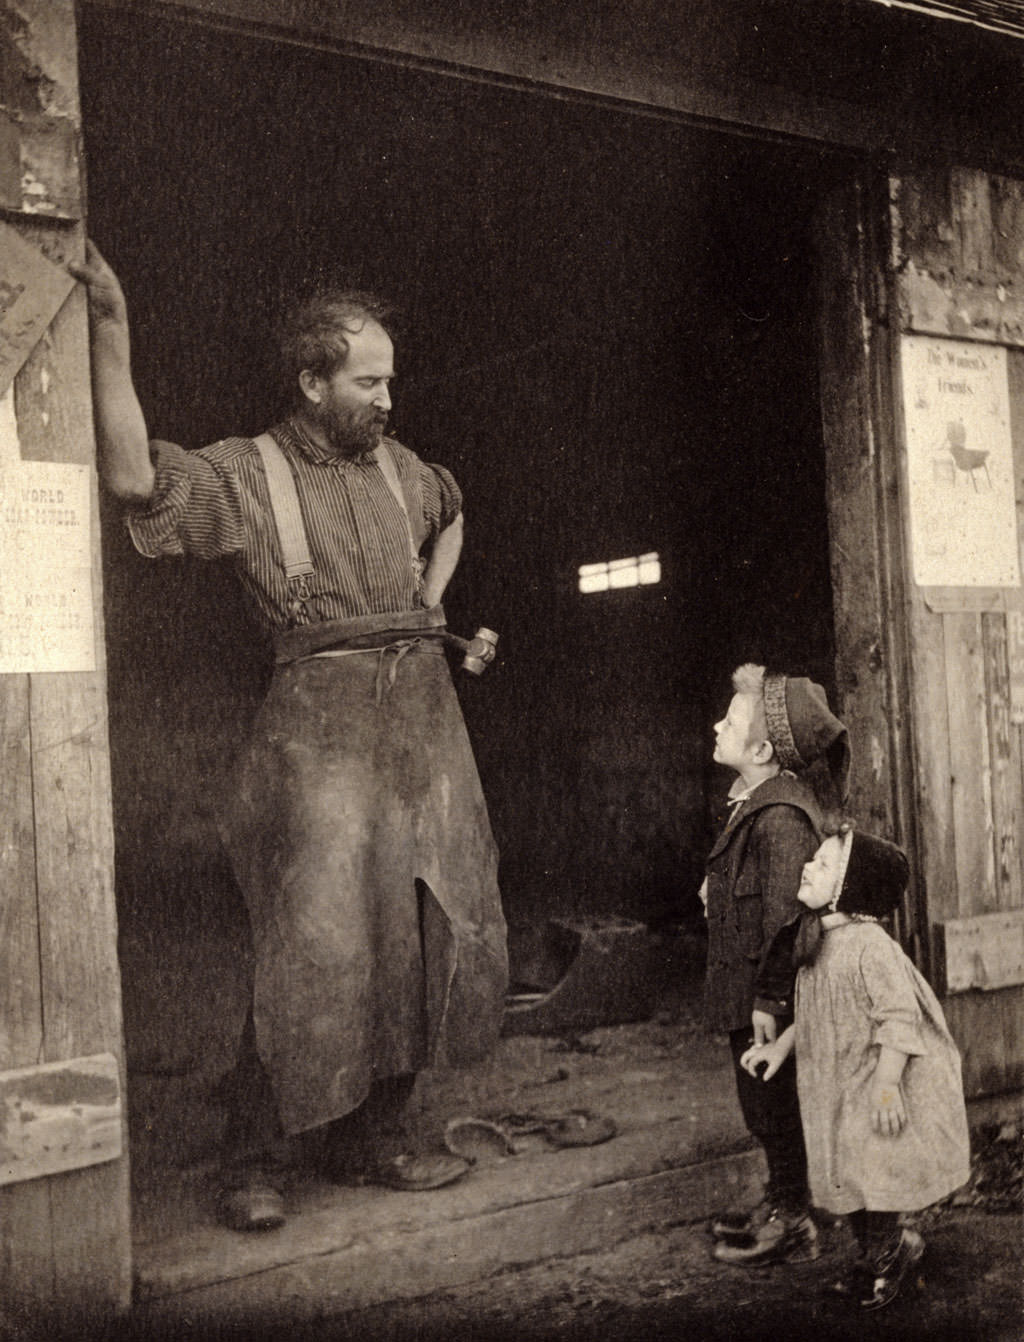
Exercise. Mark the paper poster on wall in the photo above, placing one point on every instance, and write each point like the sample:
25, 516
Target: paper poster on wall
32, 290
46, 618
963, 519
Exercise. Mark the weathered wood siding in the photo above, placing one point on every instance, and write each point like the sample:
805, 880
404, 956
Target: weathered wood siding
865, 538
958, 254
64, 1241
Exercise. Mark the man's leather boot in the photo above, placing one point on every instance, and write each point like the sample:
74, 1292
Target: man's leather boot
784, 1235
739, 1227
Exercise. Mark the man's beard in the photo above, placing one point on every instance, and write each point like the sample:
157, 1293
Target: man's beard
350, 433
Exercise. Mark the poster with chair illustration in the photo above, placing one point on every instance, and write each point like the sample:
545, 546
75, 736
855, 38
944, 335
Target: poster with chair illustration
960, 472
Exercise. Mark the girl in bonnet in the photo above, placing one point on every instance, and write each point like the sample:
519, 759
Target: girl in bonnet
878, 1073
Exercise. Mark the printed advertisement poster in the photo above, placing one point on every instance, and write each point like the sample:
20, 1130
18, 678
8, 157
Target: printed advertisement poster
46, 619
963, 516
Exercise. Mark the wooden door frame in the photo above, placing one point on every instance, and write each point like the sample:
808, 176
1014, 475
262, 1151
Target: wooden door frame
857, 354
862, 498
65, 1248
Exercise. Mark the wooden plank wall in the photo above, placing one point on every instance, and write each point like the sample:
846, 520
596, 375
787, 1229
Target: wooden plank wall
958, 238
64, 1240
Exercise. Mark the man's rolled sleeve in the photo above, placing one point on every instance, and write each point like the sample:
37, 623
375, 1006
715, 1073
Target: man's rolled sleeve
451, 496
195, 508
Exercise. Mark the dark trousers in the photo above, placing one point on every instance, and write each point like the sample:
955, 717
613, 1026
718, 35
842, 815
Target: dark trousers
254, 1144
771, 1111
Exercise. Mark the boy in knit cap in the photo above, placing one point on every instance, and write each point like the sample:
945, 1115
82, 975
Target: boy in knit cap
775, 729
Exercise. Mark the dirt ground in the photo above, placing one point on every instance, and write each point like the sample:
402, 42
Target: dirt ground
969, 1287
668, 1286
663, 1286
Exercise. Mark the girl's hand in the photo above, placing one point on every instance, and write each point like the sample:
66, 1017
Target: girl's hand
888, 1112
749, 1060
769, 1056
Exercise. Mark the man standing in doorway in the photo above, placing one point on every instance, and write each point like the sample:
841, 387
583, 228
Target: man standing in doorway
357, 829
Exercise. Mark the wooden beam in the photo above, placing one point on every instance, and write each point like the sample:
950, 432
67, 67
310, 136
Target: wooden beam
865, 531
65, 1248
26, 1246
970, 763
736, 64
334, 1260
984, 952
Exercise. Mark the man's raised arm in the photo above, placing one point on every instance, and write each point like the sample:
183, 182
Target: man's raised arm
124, 462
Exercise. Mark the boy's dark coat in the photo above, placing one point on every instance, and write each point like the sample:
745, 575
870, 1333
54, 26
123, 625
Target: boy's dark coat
753, 875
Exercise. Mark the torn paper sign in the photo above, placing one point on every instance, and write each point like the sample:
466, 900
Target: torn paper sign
32, 290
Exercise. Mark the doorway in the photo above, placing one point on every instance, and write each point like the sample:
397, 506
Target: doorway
609, 339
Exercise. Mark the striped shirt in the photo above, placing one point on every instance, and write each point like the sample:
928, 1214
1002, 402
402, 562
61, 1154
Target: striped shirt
214, 503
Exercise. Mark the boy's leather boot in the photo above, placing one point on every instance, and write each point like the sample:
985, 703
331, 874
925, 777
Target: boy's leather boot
783, 1235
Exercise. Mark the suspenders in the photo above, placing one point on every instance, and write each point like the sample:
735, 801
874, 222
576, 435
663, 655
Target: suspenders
284, 504
291, 530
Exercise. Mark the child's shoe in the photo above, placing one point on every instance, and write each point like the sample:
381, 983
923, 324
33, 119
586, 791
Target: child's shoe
783, 1235
891, 1270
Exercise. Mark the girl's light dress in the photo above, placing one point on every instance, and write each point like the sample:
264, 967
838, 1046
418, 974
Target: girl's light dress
862, 992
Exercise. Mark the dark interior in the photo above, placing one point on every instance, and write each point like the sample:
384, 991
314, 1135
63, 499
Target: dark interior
609, 338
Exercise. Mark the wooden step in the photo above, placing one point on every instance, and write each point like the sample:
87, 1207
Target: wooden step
348, 1249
